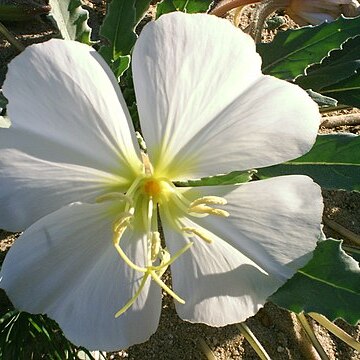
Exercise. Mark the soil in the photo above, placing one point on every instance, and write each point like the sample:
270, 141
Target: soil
278, 330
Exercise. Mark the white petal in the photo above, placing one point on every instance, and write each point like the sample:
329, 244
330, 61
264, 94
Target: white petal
66, 266
219, 284
205, 107
271, 231
315, 11
274, 222
32, 188
313, 18
64, 107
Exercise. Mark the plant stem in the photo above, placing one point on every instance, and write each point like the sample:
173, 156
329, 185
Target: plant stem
11, 39
204, 347
340, 120
350, 249
263, 10
254, 342
340, 333
237, 15
355, 238
310, 332
226, 5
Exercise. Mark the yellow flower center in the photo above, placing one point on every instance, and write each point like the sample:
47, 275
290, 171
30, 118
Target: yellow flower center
152, 187
141, 202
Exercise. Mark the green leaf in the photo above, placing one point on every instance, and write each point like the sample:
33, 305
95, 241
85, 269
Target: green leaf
119, 30
347, 92
333, 162
329, 285
26, 336
4, 122
71, 19
352, 251
120, 65
339, 65
292, 51
235, 177
3, 101
338, 75
127, 89
322, 100
188, 6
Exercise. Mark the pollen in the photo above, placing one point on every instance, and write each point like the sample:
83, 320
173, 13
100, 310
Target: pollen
152, 187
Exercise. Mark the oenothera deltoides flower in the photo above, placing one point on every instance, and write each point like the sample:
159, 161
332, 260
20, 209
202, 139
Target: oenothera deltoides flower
315, 12
303, 12
73, 177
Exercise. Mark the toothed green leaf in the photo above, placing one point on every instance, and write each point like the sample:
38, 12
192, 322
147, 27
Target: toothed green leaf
333, 162
329, 285
71, 19
292, 51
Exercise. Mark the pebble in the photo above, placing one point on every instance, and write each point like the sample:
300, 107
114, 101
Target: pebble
280, 349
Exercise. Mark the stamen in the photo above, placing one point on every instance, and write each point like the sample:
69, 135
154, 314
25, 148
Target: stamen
165, 257
204, 209
128, 261
122, 223
199, 232
155, 245
149, 170
165, 287
148, 193
169, 260
209, 200
155, 272
133, 299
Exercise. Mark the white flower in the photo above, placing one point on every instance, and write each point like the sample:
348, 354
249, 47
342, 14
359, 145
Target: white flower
72, 176
303, 12
315, 12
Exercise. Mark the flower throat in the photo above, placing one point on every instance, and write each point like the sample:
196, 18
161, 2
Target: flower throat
145, 196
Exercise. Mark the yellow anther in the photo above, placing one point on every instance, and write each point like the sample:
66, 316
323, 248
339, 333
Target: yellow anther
209, 200
201, 233
204, 209
122, 221
148, 168
120, 226
167, 260
155, 245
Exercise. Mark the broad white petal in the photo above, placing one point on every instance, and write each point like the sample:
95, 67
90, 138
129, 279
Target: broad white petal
65, 106
32, 188
66, 266
219, 284
275, 222
315, 11
313, 18
272, 230
205, 108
